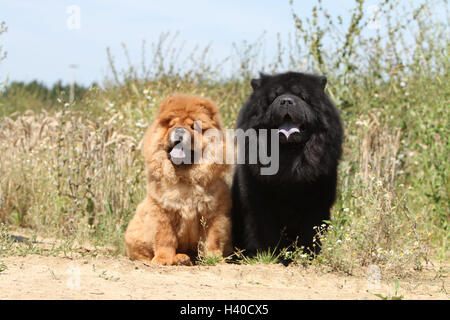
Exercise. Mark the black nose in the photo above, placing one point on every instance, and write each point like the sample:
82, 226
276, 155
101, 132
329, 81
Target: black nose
286, 101
179, 131
178, 134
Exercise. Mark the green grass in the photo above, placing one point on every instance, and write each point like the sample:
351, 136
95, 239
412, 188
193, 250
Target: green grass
74, 171
394, 296
208, 259
269, 256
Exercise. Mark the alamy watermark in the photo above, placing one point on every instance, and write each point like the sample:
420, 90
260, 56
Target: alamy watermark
73, 277
252, 146
73, 21
373, 277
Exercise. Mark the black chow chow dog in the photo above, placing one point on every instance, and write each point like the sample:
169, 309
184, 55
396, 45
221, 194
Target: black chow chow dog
276, 211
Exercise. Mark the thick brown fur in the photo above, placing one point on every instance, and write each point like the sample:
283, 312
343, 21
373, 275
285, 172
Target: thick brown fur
186, 204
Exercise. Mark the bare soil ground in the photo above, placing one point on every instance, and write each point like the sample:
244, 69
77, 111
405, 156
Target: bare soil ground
42, 277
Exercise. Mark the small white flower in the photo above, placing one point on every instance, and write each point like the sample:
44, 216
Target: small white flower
141, 124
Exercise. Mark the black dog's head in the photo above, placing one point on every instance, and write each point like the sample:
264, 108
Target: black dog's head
308, 124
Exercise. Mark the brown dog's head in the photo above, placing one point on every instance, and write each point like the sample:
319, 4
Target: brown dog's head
180, 139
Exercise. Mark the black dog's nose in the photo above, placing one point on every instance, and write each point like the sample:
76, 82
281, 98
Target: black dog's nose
286, 101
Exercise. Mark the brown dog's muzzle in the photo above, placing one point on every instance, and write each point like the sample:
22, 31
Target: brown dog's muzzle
180, 145
179, 135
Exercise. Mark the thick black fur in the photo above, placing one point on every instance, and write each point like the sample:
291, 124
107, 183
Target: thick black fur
276, 211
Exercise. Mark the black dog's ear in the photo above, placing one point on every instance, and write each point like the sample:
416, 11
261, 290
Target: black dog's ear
322, 81
256, 83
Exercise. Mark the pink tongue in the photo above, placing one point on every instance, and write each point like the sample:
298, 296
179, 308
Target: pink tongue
177, 152
288, 129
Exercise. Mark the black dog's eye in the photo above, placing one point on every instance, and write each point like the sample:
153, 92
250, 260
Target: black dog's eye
274, 93
304, 97
298, 92
272, 96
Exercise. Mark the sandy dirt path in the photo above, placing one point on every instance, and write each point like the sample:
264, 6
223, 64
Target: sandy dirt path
41, 277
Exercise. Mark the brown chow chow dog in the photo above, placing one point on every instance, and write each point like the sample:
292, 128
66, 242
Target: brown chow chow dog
186, 204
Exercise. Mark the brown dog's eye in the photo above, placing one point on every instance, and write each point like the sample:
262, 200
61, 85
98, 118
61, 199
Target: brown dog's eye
165, 122
197, 126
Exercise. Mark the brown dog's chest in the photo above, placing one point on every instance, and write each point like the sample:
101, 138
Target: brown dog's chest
189, 230
188, 204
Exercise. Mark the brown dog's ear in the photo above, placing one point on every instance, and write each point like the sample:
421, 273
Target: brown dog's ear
167, 101
211, 110
164, 114
164, 104
209, 106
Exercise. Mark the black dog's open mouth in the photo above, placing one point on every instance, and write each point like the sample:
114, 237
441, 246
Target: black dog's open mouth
290, 131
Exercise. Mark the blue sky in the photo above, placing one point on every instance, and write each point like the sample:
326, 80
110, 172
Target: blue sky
41, 46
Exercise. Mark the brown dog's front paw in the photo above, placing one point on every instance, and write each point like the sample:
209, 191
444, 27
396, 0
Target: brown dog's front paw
182, 259
163, 260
